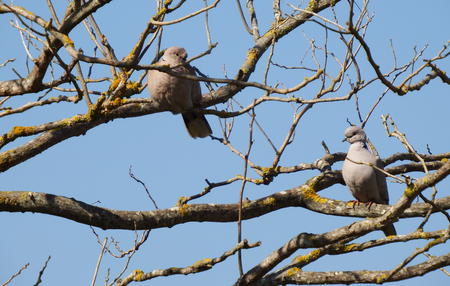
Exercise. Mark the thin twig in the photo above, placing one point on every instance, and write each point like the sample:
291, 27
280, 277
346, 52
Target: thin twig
402, 138
427, 247
53, 12
256, 121
39, 279
269, 60
207, 189
6, 62
130, 255
15, 274
143, 184
341, 28
83, 84
400, 180
442, 269
159, 23
241, 193
99, 260
25, 46
208, 33
241, 14
253, 20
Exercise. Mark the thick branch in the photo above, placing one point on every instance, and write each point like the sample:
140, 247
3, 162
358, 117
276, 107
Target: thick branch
262, 44
359, 228
363, 276
340, 248
64, 129
33, 82
20, 201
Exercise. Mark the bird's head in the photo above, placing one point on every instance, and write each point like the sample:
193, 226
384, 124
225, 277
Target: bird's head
175, 55
354, 134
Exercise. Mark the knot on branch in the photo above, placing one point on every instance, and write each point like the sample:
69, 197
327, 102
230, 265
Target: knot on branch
269, 174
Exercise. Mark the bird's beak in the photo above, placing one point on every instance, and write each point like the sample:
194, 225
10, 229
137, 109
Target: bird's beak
345, 139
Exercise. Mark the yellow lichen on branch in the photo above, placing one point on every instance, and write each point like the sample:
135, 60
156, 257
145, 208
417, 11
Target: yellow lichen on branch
292, 271
116, 102
312, 5
18, 131
305, 259
163, 10
207, 262
269, 201
411, 191
183, 209
134, 86
115, 83
138, 275
67, 41
25, 11
181, 201
310, 194
250, 61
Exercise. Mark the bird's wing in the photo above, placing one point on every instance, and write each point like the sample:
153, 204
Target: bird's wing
381, 182
196, 92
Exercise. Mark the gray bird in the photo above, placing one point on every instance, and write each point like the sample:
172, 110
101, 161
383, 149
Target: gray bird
366, 184
177, 94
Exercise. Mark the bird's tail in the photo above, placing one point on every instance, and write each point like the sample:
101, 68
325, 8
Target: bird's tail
196, 124
389, 230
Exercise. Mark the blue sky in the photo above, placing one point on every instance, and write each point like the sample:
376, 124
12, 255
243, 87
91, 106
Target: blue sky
94, 168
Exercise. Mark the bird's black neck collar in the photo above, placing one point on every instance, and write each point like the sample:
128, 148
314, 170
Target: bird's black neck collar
365, 145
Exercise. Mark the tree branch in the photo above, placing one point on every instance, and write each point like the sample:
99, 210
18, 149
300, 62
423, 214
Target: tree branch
33, 82
302, 196
357, 229
364, 276
340, 248
199, 266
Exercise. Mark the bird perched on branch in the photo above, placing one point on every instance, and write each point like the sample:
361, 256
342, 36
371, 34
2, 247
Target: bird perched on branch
177, 94
366, 184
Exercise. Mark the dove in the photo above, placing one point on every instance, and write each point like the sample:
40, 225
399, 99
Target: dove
366, 184
177, 94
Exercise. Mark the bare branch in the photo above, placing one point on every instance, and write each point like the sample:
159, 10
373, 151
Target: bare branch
99, 260
359, 228
253, 19
199, 266
15, 274
343, 247
427, 247
364, 276
241, 14
241, 193
6, 62
143, 184
302, 196
158, 23
41, 272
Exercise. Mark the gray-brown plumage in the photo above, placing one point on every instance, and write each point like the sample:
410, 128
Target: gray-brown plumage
366, 184
177, 94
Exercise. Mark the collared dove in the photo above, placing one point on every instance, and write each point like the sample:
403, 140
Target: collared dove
366, 184
177, 94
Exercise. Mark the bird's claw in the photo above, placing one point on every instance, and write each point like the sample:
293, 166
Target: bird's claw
354, 202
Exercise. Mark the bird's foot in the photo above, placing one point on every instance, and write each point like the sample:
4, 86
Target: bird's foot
369, 204
357, 202
354, 202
